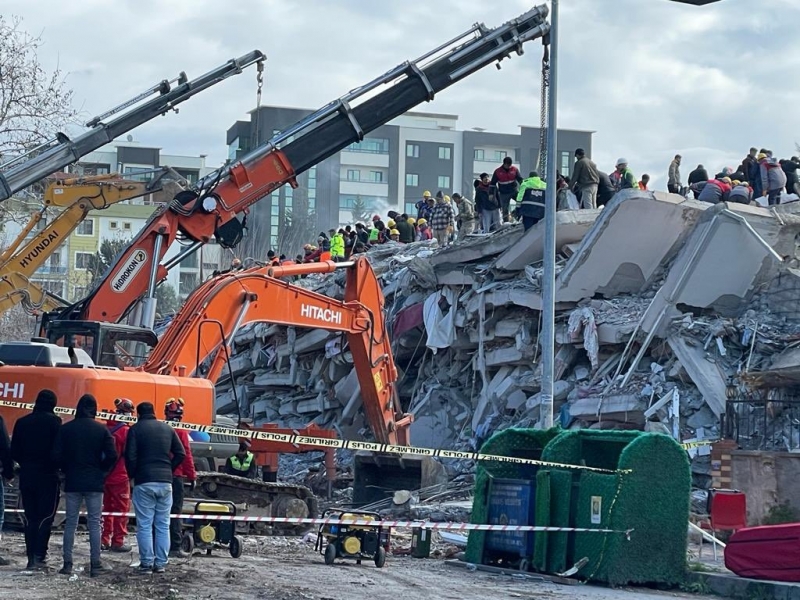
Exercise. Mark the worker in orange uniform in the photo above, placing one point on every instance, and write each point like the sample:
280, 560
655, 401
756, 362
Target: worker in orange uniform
185, 472
117, 488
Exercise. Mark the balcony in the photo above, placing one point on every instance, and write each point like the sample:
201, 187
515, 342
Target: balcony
51, 270
364, 188
364, 159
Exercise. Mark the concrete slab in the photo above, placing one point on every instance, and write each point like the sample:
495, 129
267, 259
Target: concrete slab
708, 378
728, 585
628, 243
571, 227
626, 408
704, 275
479, 247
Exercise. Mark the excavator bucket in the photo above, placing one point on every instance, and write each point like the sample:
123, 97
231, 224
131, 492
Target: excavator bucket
377, 476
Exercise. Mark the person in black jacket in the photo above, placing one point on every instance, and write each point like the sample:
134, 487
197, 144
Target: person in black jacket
152, 452
85, 452
32, 448
790, 167
605, 189
699, 175
7, 466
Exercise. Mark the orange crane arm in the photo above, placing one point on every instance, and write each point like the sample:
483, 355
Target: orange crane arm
199, 340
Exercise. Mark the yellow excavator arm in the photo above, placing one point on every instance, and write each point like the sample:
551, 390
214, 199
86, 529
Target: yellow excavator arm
77, 196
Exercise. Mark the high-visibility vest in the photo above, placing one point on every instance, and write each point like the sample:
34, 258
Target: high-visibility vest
244, 465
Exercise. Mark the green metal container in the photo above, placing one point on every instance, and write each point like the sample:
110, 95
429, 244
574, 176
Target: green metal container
421, 542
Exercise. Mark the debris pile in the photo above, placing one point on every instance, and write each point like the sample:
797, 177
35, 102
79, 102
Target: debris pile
665, 307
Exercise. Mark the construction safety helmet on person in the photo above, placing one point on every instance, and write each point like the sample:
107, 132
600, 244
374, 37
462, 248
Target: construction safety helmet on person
622, 161
394, 232
376, 218
411, 221
390, 223
422, 222
123, 406
174, 408
761, 156
426, 194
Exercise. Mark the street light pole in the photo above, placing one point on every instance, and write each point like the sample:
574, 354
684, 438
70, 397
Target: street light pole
549, 277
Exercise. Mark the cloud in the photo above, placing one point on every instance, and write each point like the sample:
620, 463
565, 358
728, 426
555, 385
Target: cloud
650, 76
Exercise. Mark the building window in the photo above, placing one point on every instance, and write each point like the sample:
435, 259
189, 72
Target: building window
376, 176
233, 149
499, 155
370, 146
412, 180
83, 260
348, 201
139, 173
480, 154
411, 208
86, 227
353, 175
566, 159
443, 182
126, 226
444, 152
275, 210
412, 150
187, 283
112, 224
189, 175
312, 178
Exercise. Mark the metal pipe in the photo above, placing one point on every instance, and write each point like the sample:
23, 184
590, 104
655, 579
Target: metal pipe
327, 266
175, 260
549, 276
148, 317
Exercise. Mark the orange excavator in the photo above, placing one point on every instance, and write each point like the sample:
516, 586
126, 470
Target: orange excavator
85, 351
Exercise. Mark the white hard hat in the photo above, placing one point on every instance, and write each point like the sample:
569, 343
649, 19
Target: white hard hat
621, 161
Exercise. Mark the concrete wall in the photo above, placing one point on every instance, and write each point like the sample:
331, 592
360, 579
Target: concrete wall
768, 479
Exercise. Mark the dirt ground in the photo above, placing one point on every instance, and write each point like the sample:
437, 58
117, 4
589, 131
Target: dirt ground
280, 569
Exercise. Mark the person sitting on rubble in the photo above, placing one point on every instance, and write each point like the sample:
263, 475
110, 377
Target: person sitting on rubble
741, 193
243, 463
394, 235
644, 181
699, 175
623, 178
715, 191
424, 232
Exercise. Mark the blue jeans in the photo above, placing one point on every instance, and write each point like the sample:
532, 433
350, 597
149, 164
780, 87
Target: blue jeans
2, 504
152, 502
94, 506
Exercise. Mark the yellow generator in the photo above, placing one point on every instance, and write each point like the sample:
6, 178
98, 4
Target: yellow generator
208, 534
353, 541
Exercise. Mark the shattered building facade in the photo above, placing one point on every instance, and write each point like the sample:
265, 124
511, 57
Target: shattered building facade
672, 316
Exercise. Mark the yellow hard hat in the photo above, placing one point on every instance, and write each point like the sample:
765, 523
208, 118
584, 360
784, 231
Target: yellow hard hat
761, 156
426, 194
394, 232
447, 199
390, 223
411, 220
422, 222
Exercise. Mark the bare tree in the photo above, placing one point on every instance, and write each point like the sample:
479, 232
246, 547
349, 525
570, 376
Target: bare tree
360, 210
299, 225
34, 104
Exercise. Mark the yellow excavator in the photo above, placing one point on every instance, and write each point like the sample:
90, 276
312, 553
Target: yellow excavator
76, 196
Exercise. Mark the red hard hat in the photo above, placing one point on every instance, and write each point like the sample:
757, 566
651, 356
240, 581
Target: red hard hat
376, 218
123, 406
174, 408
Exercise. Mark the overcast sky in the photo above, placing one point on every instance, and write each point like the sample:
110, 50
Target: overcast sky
652, 78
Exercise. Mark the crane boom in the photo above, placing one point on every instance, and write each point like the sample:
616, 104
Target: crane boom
210, 209
57, 154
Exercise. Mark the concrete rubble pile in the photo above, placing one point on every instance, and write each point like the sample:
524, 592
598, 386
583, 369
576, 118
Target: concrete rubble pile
663, 305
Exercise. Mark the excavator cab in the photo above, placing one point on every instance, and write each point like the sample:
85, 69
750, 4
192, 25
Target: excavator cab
108, 344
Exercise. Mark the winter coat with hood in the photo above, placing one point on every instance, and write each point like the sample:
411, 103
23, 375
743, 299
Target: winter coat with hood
84, 449
714, 192
34, 438
153, 450
118, 473
697, 176
772, 176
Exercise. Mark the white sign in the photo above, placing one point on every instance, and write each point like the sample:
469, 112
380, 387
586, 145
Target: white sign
597, 510
12, 390
325, 315
122, 279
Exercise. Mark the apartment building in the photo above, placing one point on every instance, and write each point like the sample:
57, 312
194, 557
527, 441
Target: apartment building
392, 167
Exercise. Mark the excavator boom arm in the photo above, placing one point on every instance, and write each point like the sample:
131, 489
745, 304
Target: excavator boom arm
199, 339
223, 194
21, 173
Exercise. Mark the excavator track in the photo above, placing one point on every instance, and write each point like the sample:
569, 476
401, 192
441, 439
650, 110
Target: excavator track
253, 498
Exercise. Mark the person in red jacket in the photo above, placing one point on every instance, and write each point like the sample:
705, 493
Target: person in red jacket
173, 411
117, 487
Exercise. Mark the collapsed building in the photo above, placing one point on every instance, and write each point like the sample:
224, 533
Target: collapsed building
666, 309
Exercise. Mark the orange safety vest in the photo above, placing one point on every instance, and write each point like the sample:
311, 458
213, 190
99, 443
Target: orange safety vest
326, 255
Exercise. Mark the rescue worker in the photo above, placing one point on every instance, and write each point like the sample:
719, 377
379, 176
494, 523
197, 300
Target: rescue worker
405, 228
643, 183
424, 232
623, 178
422, 204
605, 189
487, 204
153, 452
8, 474
715, 191
85, 452
32, 444
585, 179
466, 216
183, 473
349, 239
531, 200
507, 179
337, 245
117, 488
427, 210
773, 179
741, 193
394, 235
674, 175
442, 221
272, 259
362, 233
243, 463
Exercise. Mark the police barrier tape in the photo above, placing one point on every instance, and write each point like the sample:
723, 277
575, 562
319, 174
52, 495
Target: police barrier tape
366, 522
302, 440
